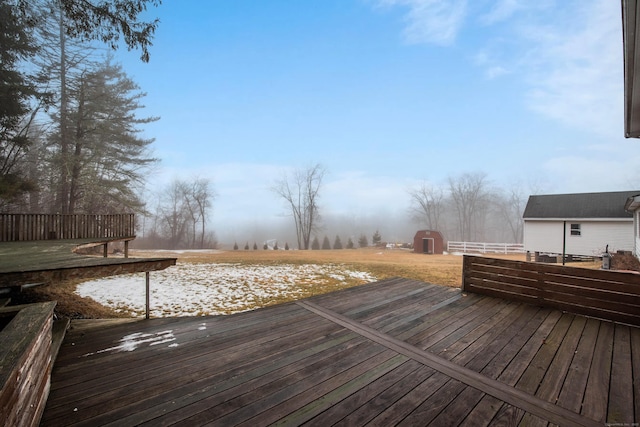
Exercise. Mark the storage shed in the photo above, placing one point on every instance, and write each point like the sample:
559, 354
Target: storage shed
428, 242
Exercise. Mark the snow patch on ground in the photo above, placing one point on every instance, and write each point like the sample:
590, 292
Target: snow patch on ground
203, 289
133, 341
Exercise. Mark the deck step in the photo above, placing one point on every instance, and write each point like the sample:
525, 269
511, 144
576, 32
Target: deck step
60, 327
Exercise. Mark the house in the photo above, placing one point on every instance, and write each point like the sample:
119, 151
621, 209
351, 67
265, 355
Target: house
579, 224
428, 242
633, 206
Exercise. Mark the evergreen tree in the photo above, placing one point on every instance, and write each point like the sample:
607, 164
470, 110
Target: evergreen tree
107, 21
337, 244
107, 159
286, 246
15, 91
350, 243
326, 244
255, 246
275, 246
246, 246
377, 238
362, 241
315, 245
235, 246
265, 246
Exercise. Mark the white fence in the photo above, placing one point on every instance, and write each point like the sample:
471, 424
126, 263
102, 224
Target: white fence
483, 248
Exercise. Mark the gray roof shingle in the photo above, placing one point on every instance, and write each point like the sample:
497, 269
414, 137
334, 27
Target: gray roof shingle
579, 205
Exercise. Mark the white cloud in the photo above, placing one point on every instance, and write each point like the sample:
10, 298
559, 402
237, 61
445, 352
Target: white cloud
431, 21
597, 168
501, 11
575, 71
568, 54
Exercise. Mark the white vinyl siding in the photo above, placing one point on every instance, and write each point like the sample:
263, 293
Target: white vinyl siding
547, 236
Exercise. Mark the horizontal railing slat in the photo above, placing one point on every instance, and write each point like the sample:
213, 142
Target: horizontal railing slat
604, 294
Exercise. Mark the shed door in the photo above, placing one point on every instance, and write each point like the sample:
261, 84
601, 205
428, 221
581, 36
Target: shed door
427, 246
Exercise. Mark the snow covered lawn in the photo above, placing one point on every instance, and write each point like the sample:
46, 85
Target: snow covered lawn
191, 289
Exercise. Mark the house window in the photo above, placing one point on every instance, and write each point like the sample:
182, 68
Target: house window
575, 229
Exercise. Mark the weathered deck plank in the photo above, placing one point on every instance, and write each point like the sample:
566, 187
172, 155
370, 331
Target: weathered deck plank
391, 353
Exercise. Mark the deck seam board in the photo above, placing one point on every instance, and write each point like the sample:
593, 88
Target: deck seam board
499, 390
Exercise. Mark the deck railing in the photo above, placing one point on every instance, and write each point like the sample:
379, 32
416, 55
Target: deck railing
24, 227
483, 248
604, 294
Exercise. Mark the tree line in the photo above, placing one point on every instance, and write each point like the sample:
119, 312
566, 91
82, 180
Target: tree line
466, 207
363, 242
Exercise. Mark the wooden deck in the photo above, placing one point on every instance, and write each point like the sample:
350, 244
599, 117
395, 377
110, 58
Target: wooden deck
395, 352
54, 260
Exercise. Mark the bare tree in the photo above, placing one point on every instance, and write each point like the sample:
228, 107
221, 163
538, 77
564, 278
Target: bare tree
172, 215
198, 195
469, 196
427, 205
511, 207
300, 192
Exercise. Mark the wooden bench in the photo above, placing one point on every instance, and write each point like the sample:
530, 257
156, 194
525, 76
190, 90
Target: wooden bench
603, 294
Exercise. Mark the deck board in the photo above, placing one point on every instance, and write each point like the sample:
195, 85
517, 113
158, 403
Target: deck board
395, 352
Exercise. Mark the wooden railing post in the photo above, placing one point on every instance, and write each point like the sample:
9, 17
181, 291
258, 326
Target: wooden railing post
466, 271
146, 295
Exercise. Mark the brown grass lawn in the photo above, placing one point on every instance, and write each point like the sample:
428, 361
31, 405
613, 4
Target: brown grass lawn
440, 269
382, 263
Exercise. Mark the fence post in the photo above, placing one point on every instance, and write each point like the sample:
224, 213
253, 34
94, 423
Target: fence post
147, 296
466, 267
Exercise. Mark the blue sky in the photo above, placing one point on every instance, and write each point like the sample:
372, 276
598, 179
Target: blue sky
385, 94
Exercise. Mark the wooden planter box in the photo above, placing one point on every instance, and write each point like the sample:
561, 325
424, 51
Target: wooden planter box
25, 362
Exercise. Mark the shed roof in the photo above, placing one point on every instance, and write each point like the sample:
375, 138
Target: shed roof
579, 205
